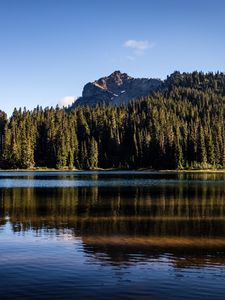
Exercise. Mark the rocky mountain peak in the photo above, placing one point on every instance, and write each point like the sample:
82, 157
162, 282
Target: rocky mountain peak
118, 77
117, 88
112, 81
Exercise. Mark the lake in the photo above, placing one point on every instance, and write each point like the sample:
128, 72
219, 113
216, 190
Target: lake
112, 235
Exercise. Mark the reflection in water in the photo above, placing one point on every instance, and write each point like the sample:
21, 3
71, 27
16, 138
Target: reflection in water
112, 235
119, 222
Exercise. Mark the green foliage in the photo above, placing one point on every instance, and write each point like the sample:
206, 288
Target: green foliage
181, 126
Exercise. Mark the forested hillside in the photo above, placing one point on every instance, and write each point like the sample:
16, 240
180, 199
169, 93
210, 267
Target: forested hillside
180, 126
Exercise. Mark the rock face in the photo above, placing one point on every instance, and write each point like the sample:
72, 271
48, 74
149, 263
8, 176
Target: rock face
116, 89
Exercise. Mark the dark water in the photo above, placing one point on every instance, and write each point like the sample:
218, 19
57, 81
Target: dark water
112, 235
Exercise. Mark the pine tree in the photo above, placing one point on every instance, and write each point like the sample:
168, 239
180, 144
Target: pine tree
93, 154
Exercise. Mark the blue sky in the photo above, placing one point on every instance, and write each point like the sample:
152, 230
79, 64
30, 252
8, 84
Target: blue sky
50, 48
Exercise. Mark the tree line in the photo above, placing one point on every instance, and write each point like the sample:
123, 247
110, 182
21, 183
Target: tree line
180, 126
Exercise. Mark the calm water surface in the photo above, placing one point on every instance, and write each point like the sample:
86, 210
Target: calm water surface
112, 235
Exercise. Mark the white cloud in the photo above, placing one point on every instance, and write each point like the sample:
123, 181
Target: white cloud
67, 100
138, 47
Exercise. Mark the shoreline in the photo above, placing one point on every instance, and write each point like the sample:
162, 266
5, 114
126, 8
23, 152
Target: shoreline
115, 170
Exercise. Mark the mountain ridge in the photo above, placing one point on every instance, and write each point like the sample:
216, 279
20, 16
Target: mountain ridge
117, 88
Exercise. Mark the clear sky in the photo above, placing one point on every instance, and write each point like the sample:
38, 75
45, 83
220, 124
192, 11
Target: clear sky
50, 48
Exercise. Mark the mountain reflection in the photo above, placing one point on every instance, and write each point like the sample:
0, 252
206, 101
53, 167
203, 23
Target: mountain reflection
116, 222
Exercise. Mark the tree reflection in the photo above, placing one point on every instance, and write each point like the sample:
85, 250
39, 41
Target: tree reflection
182, 219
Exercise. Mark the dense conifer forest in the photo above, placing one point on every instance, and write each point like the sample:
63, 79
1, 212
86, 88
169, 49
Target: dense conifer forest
180, 126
